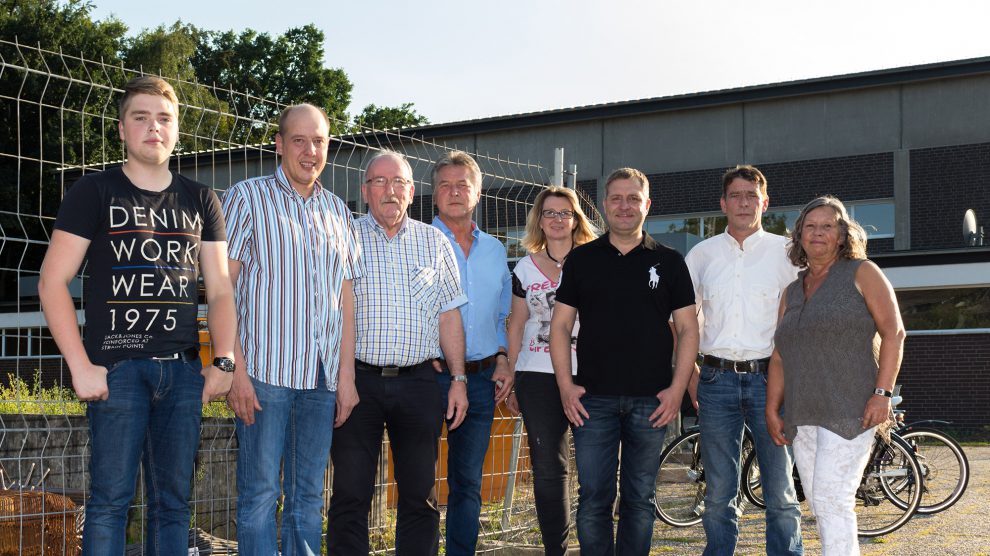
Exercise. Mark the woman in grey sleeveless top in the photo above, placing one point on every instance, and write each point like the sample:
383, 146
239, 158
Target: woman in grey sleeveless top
838, 349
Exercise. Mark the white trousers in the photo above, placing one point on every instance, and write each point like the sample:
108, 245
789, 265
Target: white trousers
831, 469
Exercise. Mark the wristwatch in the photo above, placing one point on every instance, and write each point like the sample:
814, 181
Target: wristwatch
503, 354
225, 364
882, 392
459, 378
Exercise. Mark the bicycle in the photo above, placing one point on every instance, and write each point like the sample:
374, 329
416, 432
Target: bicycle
944, 464
888, 495
680, 487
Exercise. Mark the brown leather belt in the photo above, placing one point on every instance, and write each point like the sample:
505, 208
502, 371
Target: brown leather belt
752, 366
386, 370
472, 367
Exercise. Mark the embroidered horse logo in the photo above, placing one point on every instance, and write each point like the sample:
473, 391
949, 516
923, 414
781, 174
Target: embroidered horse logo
654, 277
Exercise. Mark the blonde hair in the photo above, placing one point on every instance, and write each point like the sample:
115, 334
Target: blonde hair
851, 234
535, 240
146, 85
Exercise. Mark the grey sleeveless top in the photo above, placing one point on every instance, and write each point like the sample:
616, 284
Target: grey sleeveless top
829, 345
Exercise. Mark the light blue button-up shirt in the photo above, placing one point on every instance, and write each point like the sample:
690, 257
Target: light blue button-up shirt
487, 283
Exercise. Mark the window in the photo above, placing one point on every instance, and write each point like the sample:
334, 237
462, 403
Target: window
945, 309
877, 218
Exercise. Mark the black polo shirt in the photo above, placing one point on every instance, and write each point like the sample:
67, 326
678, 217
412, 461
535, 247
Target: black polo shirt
624, 302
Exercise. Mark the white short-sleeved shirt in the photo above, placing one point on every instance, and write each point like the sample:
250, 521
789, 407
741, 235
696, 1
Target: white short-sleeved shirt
540, 292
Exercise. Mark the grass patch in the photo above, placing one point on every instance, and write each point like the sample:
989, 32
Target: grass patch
19, 397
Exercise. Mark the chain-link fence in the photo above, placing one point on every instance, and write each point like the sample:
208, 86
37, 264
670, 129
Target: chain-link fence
60, 122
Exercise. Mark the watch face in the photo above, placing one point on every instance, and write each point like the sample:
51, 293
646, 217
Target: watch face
225, 364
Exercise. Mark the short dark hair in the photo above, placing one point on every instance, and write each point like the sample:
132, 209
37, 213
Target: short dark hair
749, 173
628, 174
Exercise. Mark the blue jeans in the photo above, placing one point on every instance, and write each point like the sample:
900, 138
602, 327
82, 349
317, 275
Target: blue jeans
297, 426
726, 400
466, 448
151, 416
615, 420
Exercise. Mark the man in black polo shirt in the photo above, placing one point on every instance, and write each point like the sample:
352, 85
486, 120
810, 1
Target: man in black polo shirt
626, 287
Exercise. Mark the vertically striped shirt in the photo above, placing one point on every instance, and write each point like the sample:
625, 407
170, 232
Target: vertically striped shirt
408, 281
295, 253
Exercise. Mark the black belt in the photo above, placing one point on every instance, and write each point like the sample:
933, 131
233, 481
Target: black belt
386, 370
471, 367
190, 354
751, 366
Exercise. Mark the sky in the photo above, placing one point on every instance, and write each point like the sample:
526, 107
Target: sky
460, 60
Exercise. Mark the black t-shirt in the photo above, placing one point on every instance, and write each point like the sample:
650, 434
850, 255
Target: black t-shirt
143, 262
625, 345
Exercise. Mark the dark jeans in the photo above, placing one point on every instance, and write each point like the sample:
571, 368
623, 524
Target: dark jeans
726, 400
152, 416
294, 428
407, 405
546, 431
615, 420
466, 448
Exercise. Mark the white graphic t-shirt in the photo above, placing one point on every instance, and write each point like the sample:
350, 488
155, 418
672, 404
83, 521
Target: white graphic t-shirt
529, 282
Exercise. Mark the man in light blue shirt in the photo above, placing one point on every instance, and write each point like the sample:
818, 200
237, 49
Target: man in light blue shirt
485, 278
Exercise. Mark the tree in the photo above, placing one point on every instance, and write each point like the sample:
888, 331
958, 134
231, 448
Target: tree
286, 69
389, 117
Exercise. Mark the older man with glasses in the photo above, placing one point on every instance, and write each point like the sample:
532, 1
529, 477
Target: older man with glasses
406, 314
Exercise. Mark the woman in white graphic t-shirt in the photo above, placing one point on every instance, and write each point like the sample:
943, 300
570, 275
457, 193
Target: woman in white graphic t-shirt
556, 224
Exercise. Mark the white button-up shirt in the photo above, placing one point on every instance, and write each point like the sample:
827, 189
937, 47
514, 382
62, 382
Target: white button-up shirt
737, 288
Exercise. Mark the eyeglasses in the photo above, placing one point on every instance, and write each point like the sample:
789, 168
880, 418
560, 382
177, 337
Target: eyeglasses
380, 181
562, 214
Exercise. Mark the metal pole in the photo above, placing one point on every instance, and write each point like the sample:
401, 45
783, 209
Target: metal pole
513, 468
558, 167
572, 176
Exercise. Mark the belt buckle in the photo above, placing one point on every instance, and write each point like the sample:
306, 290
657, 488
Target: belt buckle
390, 371
735, 367
172, 357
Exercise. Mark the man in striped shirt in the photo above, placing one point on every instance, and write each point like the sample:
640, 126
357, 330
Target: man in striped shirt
406, 314
293, 255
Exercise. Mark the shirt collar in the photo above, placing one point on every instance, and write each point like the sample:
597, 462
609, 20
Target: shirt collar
753, 238
475, 231
283, 183
647, 242
381, 229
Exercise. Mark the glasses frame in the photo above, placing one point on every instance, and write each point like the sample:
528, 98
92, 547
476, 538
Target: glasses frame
564, 215
382, 181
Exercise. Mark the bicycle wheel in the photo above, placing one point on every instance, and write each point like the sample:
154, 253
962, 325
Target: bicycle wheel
943, 465
750, 483
680, 488
892, 473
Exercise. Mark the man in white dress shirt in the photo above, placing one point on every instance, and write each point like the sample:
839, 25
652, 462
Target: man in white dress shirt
738, 276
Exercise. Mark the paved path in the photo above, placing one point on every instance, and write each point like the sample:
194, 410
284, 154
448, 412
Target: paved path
962, 530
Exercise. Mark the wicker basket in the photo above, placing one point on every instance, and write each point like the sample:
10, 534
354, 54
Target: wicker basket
34, 522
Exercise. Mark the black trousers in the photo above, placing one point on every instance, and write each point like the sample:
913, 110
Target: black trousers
408, 405
546, 429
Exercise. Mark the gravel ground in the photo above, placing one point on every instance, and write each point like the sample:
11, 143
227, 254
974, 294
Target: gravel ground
962, 530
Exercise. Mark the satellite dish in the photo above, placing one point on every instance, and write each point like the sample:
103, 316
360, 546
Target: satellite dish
969, 227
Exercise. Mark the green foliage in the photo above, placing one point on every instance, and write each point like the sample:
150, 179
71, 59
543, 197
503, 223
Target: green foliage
286, 69
389, 117
218, 410
19, 397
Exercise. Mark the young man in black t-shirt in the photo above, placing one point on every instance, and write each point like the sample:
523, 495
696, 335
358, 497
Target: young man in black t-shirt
147, 235
626, 287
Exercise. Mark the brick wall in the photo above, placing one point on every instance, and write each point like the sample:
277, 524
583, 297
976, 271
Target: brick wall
945, 181
948, 378
850, 178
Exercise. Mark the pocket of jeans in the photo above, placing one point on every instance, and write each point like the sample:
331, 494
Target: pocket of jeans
709, 375
116, 366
